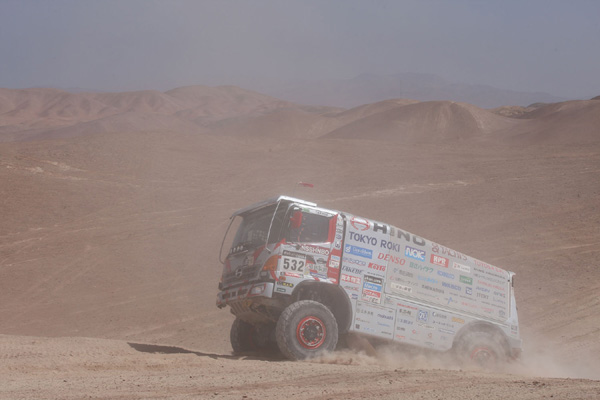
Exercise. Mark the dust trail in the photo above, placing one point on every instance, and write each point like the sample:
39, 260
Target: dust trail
540, 359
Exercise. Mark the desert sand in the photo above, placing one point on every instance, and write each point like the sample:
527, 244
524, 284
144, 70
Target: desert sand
114, 206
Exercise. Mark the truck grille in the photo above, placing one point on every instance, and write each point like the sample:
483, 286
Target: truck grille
241, 274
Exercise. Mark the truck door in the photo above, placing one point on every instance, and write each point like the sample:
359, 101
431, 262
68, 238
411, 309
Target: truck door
309, 244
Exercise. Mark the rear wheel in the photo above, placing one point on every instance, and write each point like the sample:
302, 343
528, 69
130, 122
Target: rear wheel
306, 329
481, 349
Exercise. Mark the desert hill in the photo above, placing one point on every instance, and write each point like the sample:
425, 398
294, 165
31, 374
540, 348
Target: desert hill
231, 111
425, 122
112, 230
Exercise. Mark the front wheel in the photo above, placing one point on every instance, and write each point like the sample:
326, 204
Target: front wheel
306, 329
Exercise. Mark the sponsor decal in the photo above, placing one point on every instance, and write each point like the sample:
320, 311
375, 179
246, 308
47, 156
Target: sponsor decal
358, 251
460, 267
438, 315
439, 249
403, 272
482, 296
482, 283
396, 287
422, 315
372, 287
415, 254
335, 258
292, 275
383, 316
404, 321
420, 267
279, 289
439, 260
432, 289
377, 267
351, 279
447, 331
314, 249
365, 239
349, 260
427, 279
360, 224
337, 245
318, 269
334, 264
286, 284
445, 274
469, 290
396, 247
466, 279
391, 258
352, 270
452, 286
288, 253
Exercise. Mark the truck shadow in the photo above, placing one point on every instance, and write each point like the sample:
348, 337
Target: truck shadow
161, 349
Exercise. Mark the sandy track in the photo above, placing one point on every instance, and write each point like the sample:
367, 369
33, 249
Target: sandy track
77, 368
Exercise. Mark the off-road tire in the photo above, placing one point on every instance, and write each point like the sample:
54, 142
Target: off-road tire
248, 338
306, 329
241, 336
482, 350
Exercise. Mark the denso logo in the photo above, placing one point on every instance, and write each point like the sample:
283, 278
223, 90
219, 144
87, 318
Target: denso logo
414, 253
439, 260
377, 267
360, 224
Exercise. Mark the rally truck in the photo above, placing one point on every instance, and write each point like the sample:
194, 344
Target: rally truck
299, 277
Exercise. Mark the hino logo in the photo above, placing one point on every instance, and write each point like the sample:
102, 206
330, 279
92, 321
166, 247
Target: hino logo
238, 272
360, 224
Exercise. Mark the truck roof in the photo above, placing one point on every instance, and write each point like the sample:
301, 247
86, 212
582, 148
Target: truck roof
271, 201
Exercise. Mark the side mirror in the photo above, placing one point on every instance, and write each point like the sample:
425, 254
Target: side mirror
296, 219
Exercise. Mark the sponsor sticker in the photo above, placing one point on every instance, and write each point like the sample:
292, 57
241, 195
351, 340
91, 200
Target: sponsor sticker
415, 254
460, 267
439, 260
358, 251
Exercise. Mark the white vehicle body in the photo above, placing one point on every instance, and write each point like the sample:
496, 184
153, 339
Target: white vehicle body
376, 279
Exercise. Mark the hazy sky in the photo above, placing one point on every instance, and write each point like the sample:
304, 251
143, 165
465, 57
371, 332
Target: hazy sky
549, 46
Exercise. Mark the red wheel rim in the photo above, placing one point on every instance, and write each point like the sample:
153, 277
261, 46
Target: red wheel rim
311, 332
483, 356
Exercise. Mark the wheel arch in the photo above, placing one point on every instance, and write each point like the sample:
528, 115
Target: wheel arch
332, 296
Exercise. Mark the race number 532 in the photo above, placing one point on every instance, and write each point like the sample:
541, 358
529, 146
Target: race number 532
293, 264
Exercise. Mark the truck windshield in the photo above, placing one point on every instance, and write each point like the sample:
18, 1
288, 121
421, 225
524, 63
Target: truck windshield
255, 226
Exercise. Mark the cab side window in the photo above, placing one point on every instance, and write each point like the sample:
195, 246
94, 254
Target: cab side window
308, 228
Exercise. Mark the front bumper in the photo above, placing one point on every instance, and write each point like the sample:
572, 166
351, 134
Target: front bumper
263, 289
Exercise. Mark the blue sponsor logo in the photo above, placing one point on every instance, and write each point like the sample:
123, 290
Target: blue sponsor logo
358, 251
372, 286
422, 316
415, 254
